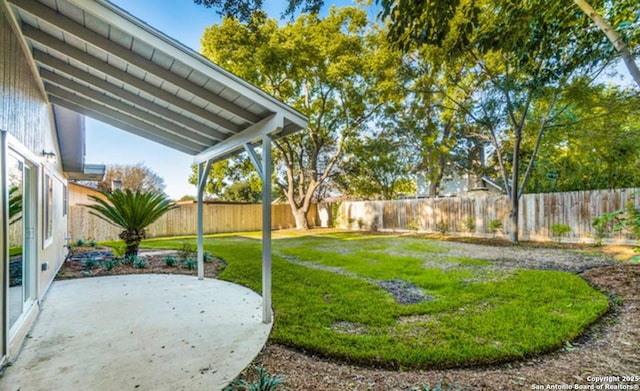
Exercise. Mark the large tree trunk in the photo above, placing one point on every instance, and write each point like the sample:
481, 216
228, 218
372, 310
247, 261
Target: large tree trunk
300, 216
613, 36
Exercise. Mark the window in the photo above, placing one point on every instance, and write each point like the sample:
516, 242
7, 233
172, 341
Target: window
48, 208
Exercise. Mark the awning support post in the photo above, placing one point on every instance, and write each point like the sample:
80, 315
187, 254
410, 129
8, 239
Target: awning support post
203, 175
266, 229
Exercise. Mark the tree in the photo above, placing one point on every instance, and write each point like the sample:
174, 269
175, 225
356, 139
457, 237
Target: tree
15, 204
137, 177
233, 179
375, 167
434, 22
336, 70
132, 211
518, 58
243, 10
595, 144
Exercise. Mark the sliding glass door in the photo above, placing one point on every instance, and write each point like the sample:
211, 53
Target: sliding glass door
21, 238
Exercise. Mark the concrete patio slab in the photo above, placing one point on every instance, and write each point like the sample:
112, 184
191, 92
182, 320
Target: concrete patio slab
140, 332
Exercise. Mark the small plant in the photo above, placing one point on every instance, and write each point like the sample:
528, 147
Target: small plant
265, 382
603, 225
109, 264
350, 221
207, 256
90, 263
360, 223
138, 262
171, 261
189, 263
559, 230
494, 226
412, 225
443, 227
92, 243
119, 251
440, 386
79, 242
470, 224
87, 273
128, 260
186, 251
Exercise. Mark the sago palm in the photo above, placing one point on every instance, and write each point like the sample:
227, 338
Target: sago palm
132, 211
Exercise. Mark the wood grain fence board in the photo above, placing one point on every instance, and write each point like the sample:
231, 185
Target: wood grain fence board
537, 213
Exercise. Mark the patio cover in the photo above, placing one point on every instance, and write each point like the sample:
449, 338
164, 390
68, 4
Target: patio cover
97, 60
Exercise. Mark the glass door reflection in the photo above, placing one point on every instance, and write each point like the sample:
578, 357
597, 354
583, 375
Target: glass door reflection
16, 175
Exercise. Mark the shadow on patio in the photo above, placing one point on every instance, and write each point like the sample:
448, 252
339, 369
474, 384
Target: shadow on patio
143, 332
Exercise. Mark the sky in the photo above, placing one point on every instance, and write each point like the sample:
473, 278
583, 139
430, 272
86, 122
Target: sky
185, 22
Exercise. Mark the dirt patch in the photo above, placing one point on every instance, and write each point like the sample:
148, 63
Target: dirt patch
350, 328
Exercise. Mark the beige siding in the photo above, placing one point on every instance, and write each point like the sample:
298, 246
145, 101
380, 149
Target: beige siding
26, 116
538, 213
182, 221
79, 195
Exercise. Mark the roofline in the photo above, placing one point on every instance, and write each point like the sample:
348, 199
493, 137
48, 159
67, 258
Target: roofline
194, 59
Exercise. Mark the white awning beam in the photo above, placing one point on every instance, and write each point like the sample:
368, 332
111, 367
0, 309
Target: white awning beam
268, 126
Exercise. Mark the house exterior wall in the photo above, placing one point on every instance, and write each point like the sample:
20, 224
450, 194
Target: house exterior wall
27, 119
79, 194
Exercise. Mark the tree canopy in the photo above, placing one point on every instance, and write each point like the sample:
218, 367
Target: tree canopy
134, 177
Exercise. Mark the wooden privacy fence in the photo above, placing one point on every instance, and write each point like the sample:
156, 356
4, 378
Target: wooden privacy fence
537, 214
182, 221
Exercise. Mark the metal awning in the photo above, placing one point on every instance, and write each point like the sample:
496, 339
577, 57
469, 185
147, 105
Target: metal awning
97, 60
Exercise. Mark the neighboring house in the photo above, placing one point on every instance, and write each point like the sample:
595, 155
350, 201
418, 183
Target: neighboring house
61, 60
458, 184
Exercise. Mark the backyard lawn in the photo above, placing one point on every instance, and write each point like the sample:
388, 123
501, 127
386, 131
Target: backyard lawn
406, 302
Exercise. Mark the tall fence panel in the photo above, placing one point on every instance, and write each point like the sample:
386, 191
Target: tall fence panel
181, 221
537, 214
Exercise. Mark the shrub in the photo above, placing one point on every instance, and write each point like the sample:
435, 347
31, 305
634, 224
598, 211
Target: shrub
494, 226
440, 386
265, 382
109, 264
412, 225
443, 227
90, 263
189, 263
138, 262
79, 242
603, 225
559, 230
207, 256
170, 261
470, 224
92, 243
360, 223
187, 250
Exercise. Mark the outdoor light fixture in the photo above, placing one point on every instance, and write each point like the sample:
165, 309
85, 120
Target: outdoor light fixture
49, 156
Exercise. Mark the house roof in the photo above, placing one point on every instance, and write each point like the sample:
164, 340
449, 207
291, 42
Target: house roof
96, 59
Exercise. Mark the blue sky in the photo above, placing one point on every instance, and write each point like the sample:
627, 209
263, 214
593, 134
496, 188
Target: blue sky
184, 21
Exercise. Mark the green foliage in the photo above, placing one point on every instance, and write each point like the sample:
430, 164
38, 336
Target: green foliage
443, 227
80, 242
630, 220
132, 211
207, 256
119, 250
603, 226
559, 230
524, 312
494, 226
189, 263
337, 70
412, 225
470, 224
92, 243
15, 204
139, 262
440, 386
109, 264
187, 250
90, 263
265, 382
171, 261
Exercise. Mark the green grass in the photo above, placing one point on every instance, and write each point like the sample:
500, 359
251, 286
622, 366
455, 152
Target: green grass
476, 317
